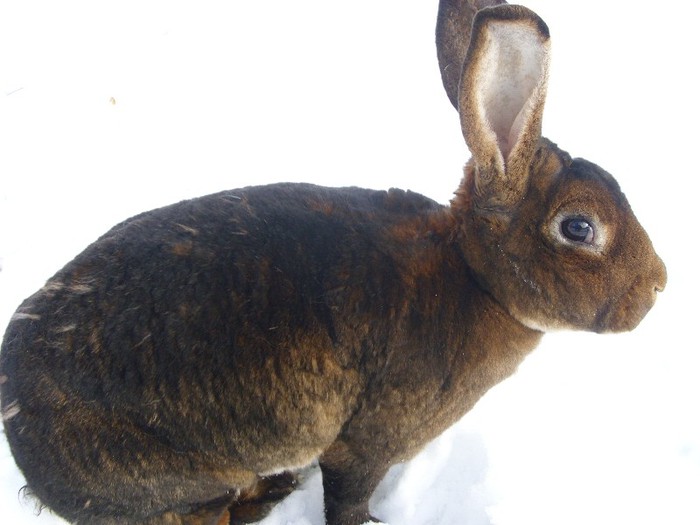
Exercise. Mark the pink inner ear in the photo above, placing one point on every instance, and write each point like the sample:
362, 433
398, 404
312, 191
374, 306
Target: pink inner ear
512, 75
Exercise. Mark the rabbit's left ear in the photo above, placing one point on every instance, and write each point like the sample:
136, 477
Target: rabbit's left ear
501, 99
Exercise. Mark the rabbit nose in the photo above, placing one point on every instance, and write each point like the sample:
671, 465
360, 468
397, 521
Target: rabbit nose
661, 276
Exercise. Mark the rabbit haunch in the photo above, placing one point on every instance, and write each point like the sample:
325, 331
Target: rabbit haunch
177, 367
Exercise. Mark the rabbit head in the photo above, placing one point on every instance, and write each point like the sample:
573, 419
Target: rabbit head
552, 238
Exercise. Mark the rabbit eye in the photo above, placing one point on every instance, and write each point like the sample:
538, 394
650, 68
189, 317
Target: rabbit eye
578, 230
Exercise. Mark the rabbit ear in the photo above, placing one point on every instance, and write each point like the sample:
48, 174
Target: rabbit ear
501, 99
454, 23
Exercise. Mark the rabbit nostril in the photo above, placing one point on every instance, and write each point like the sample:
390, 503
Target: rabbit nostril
661, 277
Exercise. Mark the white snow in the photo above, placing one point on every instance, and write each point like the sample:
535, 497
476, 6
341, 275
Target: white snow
110, 108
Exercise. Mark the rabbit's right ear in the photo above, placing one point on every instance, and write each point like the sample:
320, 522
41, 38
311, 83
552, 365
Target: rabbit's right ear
501, 100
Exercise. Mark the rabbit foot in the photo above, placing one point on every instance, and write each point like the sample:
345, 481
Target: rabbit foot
349, 515
211, 513
256, 502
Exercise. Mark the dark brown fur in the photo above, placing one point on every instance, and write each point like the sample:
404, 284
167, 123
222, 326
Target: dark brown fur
178, 367
452, 36
181, 379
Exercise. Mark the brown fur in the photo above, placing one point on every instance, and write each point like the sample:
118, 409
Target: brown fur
178, 368
452, 36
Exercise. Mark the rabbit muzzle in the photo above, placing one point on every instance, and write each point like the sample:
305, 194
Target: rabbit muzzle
625, 311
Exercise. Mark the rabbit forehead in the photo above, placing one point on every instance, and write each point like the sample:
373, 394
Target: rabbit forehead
586, 170
586, 190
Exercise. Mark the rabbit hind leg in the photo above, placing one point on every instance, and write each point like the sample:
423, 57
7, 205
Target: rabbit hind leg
227, 497
256, 502
250, 505
236, 507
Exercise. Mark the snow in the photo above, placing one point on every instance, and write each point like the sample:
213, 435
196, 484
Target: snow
111, 108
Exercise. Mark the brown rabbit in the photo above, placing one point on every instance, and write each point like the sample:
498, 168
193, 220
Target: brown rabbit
182, 367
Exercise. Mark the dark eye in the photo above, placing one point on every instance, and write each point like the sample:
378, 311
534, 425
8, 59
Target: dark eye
578, 230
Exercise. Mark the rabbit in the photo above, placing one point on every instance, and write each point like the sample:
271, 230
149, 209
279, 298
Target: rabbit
186, 365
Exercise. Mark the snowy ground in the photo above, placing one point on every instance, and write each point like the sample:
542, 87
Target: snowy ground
110, 108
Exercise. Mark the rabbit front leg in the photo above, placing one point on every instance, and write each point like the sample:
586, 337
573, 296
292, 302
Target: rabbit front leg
349, 479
